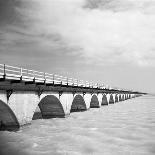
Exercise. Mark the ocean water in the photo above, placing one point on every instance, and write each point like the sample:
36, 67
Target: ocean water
124, 128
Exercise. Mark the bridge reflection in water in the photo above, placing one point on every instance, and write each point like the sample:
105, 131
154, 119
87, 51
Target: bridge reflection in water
28, 94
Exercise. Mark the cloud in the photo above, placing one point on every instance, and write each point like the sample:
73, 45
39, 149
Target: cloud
100, 32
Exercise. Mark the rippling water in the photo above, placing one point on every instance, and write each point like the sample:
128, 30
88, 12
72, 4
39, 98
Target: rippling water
125, 128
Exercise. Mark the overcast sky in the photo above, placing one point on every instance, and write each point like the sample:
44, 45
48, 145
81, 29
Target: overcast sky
106, 41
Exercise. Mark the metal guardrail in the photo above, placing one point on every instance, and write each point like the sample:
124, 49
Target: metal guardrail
17, 73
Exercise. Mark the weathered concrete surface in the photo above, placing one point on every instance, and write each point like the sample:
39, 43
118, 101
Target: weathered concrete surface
78, 104
104, 100
87, 98
116, 98
94, 103
23, 106
111, 100
51, 106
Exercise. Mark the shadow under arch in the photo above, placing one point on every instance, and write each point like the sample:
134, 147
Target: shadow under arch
8, 120
111, 100
129, 96
126, 97
120, 98
123, 97
104, 100
78, 104
116, 98
94, 103
50, 107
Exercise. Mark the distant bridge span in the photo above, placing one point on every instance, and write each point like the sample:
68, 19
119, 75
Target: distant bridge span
28, 94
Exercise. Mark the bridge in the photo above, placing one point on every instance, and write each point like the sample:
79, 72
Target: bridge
26, 95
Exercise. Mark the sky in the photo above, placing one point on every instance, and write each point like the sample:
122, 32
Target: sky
105, 41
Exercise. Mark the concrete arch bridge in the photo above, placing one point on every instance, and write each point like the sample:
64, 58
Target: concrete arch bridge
27, 94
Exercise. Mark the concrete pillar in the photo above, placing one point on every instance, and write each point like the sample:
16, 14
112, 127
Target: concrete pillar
100, 96
66, 99
23, 104
108, 97
87, 99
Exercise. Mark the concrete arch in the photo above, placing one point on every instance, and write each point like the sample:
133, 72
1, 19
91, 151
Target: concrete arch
8, 120
111, 100
78, 104
94, 103
104, 100
51, 107
116, 98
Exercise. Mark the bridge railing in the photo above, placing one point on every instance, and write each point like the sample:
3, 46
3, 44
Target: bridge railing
23, 74
17, 73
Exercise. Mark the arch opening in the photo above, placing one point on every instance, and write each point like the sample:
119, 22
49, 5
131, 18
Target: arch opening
78, 104
94, 103
8, 120
111, 100
126, 97
123, 98
129, 96
49, 107
104, 100
120, 98
116, 98
37, 114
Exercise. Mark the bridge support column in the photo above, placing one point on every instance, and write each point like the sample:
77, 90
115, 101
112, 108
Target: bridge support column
66, 99
87, 99
23, 104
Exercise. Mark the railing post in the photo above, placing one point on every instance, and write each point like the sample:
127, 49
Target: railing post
21, 73
61, 80
44, 77
53, 78
33, 75
72, 81
4, 71
67, 81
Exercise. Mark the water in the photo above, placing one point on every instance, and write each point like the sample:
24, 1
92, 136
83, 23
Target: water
125, 128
